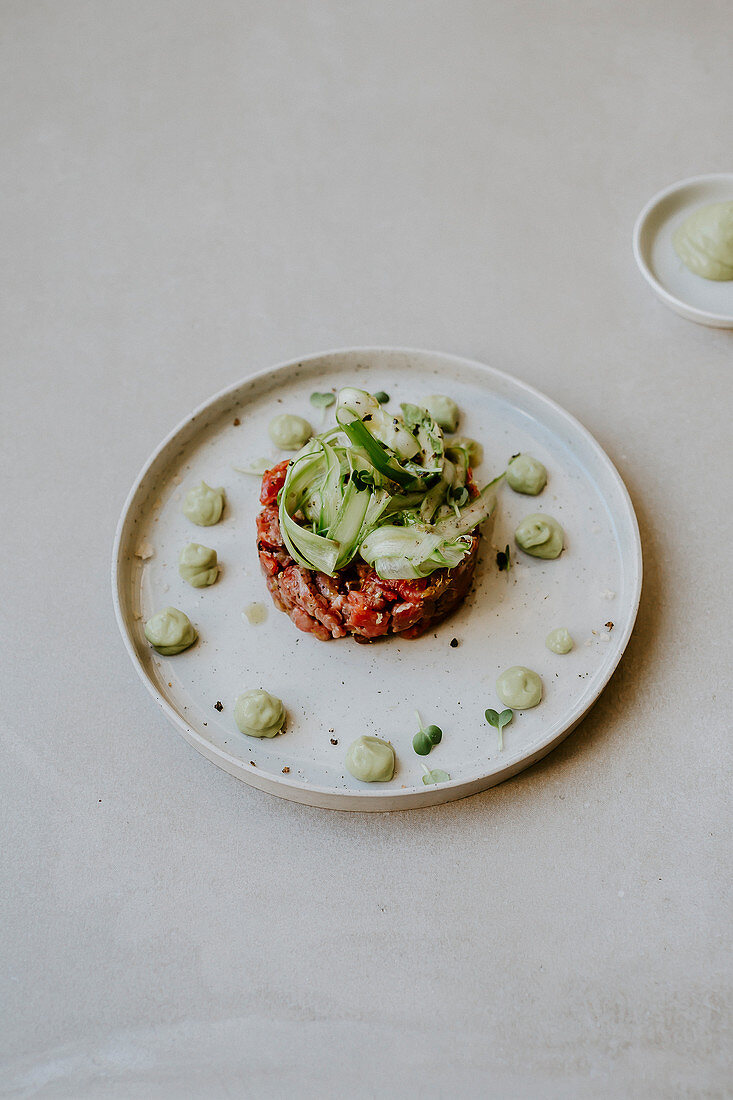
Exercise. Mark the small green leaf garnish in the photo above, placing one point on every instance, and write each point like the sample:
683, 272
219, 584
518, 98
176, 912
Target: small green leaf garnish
362, 479
426, 738
437, 775
458, 497
323, 400
382, 397
498, 721
413, 416
504, 559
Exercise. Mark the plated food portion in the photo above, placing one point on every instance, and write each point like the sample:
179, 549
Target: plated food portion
404, 522
372, 528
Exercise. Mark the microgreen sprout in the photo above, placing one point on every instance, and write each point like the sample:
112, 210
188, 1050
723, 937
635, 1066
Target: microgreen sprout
437, 775
504, 559
458, 497
362, 479
382, 397
426, 738
498, 721
323, 400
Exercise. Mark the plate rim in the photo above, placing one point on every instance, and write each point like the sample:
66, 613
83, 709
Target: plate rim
378, 800
679, 305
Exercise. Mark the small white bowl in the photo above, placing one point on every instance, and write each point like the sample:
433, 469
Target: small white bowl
702, 300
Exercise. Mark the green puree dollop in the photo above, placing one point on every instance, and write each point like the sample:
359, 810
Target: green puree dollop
559, 640
525, 474
443, 410
170, 631
259, 714
198, 565
203, 505
289, 432
540, 535
519, 688
371, 760
704, 242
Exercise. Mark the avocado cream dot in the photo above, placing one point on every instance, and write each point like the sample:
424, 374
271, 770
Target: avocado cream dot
259, 714
198, 565
540, 535
371, 760
170, 631
203, 505
525, 474
289, 432
704, 241
559, 640
519, 688
443, 410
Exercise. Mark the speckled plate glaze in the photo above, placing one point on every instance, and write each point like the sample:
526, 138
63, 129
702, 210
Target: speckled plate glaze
702, 300
335, 691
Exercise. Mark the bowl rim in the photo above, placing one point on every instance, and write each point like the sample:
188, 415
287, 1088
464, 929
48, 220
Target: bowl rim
680, 306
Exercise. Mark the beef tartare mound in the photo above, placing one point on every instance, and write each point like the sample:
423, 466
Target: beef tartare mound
372, 527
356, 601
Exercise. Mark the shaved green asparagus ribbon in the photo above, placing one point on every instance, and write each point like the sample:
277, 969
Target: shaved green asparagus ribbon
383, 487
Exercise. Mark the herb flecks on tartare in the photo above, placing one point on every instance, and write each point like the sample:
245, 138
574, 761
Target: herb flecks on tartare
370, 528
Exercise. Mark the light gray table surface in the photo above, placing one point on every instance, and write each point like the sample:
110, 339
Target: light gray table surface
192, 192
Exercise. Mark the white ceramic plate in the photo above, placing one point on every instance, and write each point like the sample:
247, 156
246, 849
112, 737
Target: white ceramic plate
335, 691
702, 300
